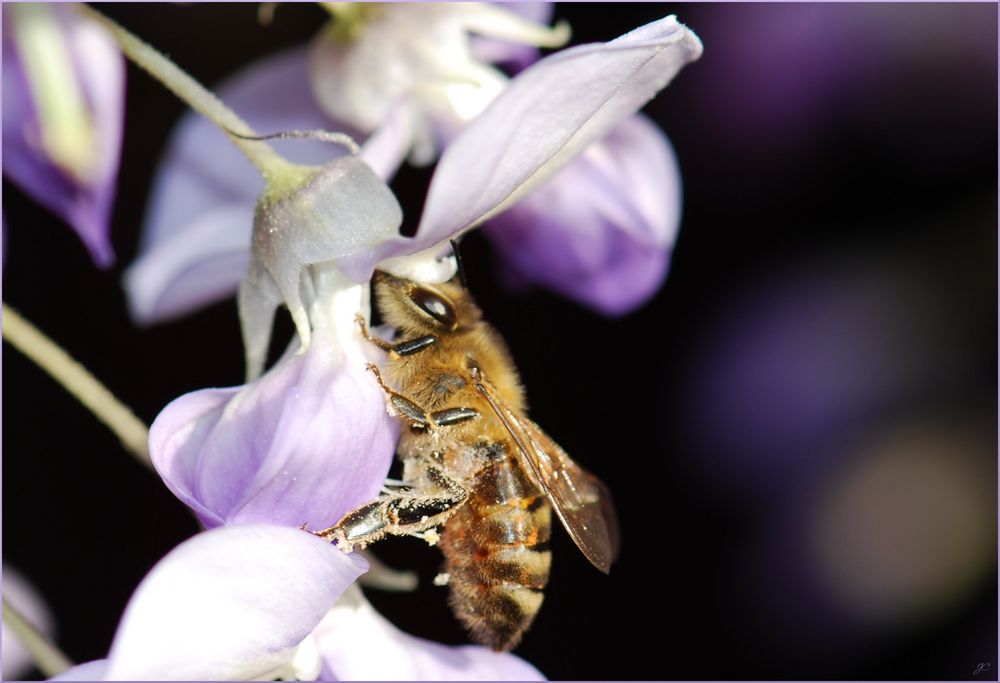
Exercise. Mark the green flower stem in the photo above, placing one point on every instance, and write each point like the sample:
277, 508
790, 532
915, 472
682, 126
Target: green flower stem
47, 656
30, 341
270, 164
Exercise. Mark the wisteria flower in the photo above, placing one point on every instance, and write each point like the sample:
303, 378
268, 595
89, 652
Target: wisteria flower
192, 256
599, 232
412, 65
310, 439
259, 602
63, 110
281, 446
602, 230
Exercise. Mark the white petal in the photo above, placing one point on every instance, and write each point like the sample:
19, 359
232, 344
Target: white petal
342, 215
357, 643
230, 603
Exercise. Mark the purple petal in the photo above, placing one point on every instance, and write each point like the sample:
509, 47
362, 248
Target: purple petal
601, 231
83, 202
196, 237
199, 263
549, 113
229, 603
387, 146
357, 643
304, 444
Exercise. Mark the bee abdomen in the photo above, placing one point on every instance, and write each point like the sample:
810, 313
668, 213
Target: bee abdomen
498, 558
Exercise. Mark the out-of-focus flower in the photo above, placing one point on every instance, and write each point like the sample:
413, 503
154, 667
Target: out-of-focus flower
800, 84
824, 407
25, 599
63, 108
417, 58
514, 56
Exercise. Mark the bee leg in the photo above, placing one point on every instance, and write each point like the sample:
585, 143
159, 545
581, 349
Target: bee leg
399, 515
453, 416
403, 348
418, 416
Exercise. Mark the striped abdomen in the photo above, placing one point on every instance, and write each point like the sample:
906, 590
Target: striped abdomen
496, 550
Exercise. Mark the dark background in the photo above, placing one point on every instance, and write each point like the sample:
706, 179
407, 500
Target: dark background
799, 430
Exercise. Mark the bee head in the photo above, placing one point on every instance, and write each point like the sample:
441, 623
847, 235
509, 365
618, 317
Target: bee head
417, 308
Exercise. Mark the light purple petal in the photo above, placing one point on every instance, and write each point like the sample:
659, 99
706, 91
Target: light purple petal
387, 146
549, 113
599, 232
304, 444
198, 264
196, 237
357, 643
95, 670
84, 203
23, 597
231, 603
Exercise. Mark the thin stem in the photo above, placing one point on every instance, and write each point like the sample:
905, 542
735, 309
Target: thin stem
30, 341
384, 577
47, 656
267, 161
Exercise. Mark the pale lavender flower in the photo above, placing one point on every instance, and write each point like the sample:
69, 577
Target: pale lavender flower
192, 256
196, 239
63, 108
259, 602
304, 444
602, 230
415, 62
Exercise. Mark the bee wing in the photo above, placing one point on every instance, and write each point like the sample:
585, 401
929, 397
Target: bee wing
581, 501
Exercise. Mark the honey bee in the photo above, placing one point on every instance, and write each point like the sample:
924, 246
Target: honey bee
474, 464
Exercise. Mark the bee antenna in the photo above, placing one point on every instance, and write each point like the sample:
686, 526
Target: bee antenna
458, 262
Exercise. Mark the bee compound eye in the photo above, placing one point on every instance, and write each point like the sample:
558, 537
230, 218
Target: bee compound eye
434, 305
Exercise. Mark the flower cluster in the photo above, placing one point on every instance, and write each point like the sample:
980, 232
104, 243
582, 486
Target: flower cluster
580, 194
63, 111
